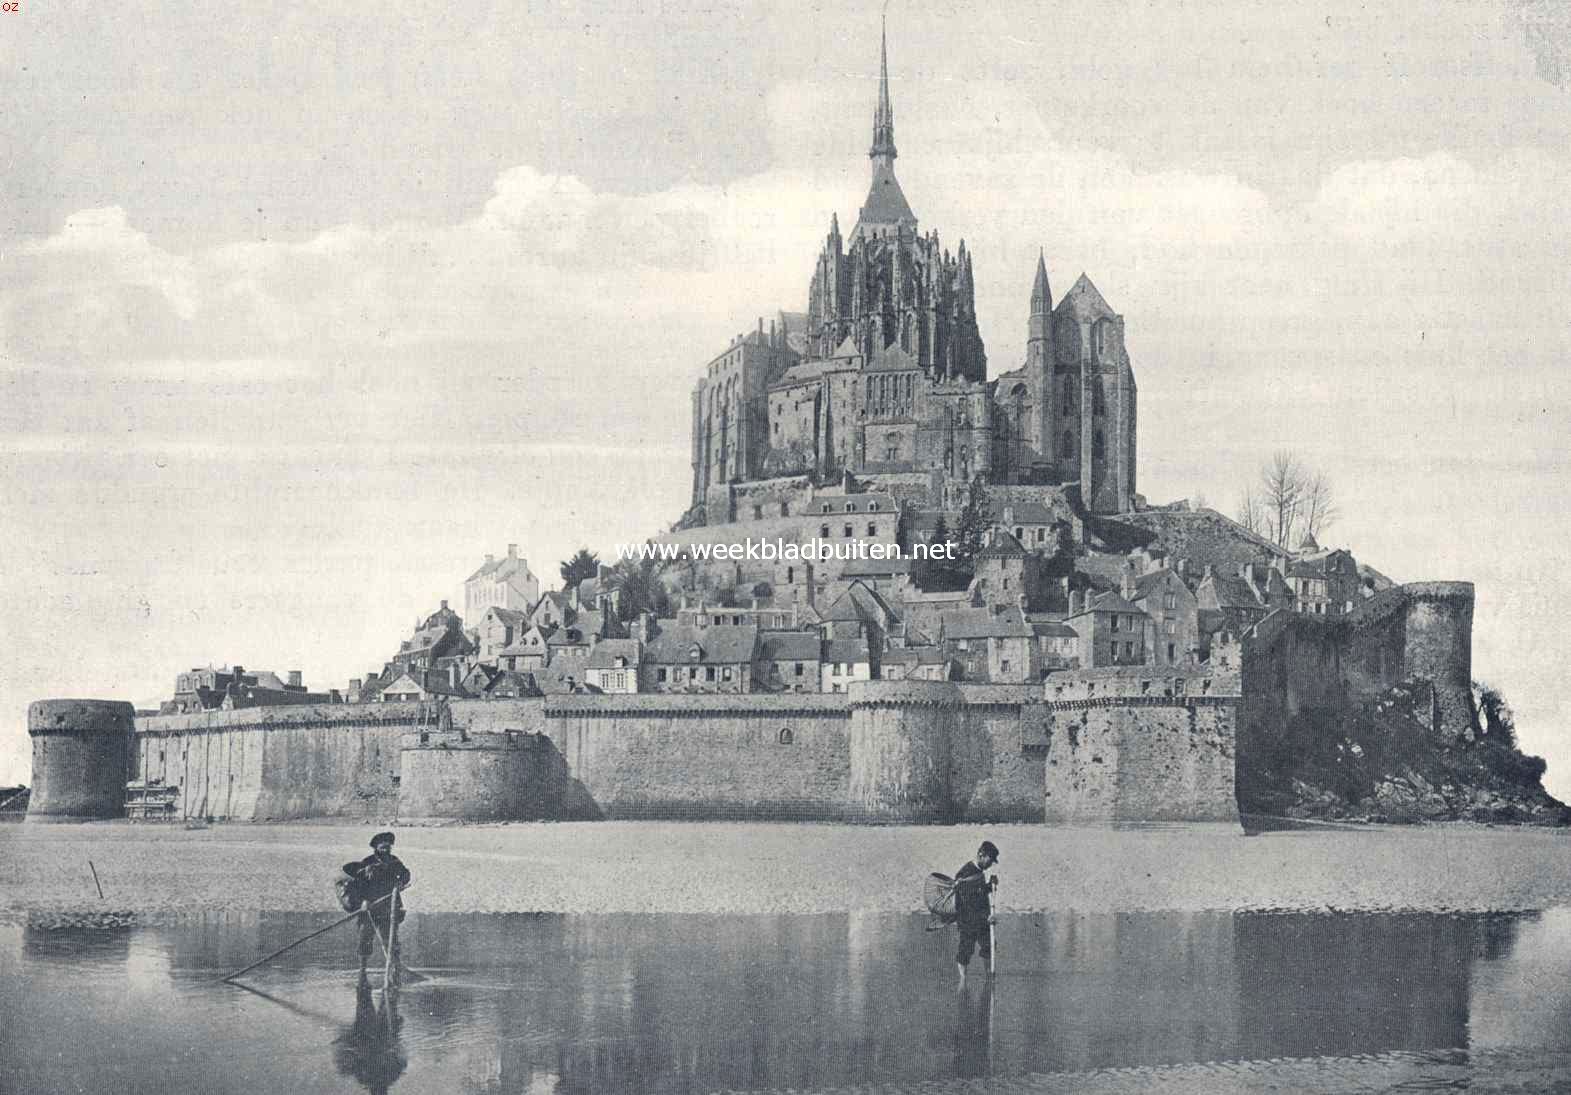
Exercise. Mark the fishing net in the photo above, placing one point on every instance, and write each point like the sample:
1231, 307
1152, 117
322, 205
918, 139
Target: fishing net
938, 894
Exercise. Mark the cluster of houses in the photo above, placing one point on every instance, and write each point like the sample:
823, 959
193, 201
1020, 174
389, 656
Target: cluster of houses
1012, 624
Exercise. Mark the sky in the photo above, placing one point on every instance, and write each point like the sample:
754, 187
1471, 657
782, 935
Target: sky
302, 314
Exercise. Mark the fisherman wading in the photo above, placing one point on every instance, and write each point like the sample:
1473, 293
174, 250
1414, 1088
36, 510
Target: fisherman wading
974, 909
376, 877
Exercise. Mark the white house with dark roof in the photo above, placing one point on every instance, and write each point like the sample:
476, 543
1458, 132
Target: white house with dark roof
502, 583
844, 661
613, 665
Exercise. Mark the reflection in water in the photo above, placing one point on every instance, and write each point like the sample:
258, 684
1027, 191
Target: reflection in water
974, 1031
669, 1004
368, 1049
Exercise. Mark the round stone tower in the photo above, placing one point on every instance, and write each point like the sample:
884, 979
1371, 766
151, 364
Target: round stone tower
81, 757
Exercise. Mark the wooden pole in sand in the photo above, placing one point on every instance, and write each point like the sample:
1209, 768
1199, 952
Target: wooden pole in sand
341, 920
392, 940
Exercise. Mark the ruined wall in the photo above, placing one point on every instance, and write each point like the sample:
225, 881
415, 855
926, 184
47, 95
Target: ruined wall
1420, 631
1127, 745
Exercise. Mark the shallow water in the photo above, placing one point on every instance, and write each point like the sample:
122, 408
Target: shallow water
687, 1003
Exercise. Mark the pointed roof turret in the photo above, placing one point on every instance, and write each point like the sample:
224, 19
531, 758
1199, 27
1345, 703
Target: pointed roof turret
886, 206
1041, 292
1038, 327
884, 115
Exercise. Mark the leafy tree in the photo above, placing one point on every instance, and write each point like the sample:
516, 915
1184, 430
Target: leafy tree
583, 564
1499, 721
639, 589
975, 519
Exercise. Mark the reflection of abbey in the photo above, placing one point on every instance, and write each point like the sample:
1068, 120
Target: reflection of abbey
886, 375
1093, 658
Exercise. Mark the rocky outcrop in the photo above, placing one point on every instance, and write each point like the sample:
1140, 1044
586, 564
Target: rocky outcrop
1382, 761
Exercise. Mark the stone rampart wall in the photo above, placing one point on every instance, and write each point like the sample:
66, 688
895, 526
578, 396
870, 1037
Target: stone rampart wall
1126, 745
507, 776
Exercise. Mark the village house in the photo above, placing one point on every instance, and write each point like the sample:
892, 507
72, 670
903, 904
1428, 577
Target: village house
718, 658
765, 617
844, 661
915, 663
992, 643
529, 651
419, 685
790, 661
1057, 645
1324, 583
613, 665
439, 635
501, 583
1111, 630
497, 630
1173, 636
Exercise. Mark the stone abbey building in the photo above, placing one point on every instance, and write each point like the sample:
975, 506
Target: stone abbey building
885, 374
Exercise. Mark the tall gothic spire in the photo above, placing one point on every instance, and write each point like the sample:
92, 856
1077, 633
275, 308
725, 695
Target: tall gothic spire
884, 115
1041, 303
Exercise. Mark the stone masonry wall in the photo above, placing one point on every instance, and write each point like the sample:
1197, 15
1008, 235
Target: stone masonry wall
1127, 746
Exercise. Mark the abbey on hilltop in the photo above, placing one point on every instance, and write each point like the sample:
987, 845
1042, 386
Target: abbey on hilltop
885, 374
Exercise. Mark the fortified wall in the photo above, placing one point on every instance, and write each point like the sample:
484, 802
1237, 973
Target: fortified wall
885, 752
1128, 745
1419, 632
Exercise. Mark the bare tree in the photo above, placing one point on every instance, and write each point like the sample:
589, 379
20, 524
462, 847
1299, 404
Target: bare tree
1282, 494
1319, 505
1251, 514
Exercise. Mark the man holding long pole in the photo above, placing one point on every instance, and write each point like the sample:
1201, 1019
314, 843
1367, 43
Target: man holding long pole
974, 909
380, 875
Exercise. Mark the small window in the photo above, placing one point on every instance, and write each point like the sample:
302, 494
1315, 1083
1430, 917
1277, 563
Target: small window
826, 508
823, 532
849, 532
785, 737
798, 669
850, 507
790, 576
725, 674
1115, 621
1129, 650
1171, 600
872, 529
1168, 626
1172, 653
758, 513
709, 673
872, 507
1004, 665
660, 673
1020, 533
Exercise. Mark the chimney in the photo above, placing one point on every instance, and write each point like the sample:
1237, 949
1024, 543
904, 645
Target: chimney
489, 558
646, 627
294, 678
1126, 584
444, 607
452, 674
355, 684
1076, 601
512, 551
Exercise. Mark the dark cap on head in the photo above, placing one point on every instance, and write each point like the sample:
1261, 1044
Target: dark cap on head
990, 850
381, 838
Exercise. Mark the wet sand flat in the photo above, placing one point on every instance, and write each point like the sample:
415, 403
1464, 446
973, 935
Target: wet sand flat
610, 867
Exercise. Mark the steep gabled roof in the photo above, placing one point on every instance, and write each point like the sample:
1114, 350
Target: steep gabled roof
1084, 302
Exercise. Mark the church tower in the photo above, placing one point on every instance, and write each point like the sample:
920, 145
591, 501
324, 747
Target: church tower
886, 287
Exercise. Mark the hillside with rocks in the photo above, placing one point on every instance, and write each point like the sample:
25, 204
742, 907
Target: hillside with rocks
1378, 762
